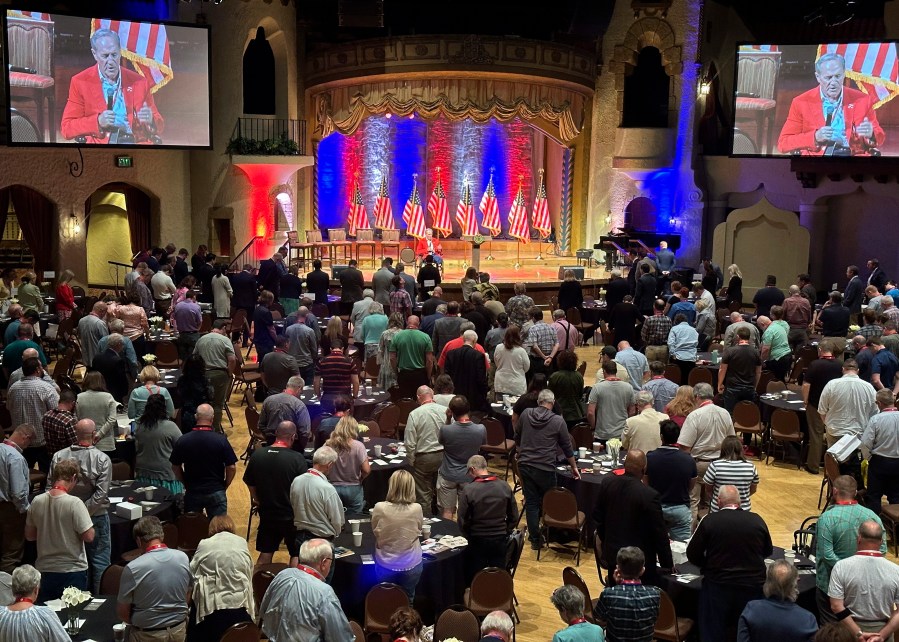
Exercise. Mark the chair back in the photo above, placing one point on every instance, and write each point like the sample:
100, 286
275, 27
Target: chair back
775, 386
831, 467
785, 423
582, 369
570, 577
121, 470
761, 387
387, 414
407, 256
390, 236
111, 579
757, 73
372, 368
356, 628
496, 434
206, 323
559, 505
809, 353
261, 581
582, 436
374, 430
313, 236
249, 398
336, 234
292, 237
573, 316
597, 552
700, 375
405, 406
241, 632
166, 355
170, 533
192, 527
514, 548
320, 310
381, 602
673, 373
667, 618
747, 417
492, 589
252, 416
238, 319
365, 235
457, 622
31, 45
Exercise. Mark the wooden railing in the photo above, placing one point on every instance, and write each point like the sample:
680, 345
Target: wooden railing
246, 255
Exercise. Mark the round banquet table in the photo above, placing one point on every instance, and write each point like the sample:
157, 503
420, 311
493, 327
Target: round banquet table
442, 580
156, 334
120, 528
362, 405
498, 411
375, 485
98, 622
586, 489
791, 401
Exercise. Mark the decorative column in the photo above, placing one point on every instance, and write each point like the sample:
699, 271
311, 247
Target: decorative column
564, 236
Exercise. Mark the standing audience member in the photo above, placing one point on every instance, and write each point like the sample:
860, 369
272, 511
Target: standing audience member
423, 447
683, 341
351, 467
65, 297
291, 287
662, 389
114, 367
371, 329
730, 548
820, 371
21, 620
834, 318
846, 404
881, 437
317, 509
447, 328
14, 490
268, 476
61, 525
570, 603
741, 367
155, 588
737, 322
672, 472
154, 439
635, 363
537, 435
149, 378
28, 400
396, 523
411, 357
205, 462
798, 314
381, 282
400, 301
654, 333
518, 306
776, 353
465, 366
278, 366
568, 385
777, 617
286, 406
461, 440
97, 404
629, 608
386, 368
218, 353
767, 297
263, 325
337, 374
487, 514
94, 476
58, 423
303, 344
641, 431
91, 329
512, 364
731, 469
608, 404
194, 389
542, 344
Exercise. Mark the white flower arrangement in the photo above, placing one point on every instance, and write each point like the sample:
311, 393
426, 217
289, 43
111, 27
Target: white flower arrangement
602, 291
150, 359
73, 597
156, 319
362, 428
14, 300
854, 328
451, 640
695, 283
45, 284
613, 443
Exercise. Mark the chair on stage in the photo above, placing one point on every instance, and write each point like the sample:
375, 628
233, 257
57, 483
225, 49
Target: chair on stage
365, 238
390, 238
31, 47
337, 241
297, 252
318, 246
756, 90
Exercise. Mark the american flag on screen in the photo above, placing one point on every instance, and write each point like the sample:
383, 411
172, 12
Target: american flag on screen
490, 209
413, 215
145, 45
465, 215
29, 15
518, 218
541, 211
383, 209
437, 208
358, 218
873, 66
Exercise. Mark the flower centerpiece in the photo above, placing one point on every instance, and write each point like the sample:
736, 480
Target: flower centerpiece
853, 329
75, 600
149, 359
157, 322
613, 447
450, 640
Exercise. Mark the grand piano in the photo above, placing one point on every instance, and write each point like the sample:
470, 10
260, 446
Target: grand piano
628, 242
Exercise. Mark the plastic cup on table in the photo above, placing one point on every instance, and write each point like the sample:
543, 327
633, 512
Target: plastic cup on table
118, 631
597, 447
377, 450
357, 539
582, 452
148, 494
426, 531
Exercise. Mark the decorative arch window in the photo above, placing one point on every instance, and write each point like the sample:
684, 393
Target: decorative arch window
284, 213
646, 92
259, 76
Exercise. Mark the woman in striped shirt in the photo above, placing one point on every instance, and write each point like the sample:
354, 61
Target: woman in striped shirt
732, 468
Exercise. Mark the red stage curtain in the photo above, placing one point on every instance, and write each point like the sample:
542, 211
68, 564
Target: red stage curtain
36, 218
138, 205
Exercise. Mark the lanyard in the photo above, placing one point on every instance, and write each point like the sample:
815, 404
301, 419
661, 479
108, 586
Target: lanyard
658, 377
85, 445
313, 471
869, 553
13, 445
486, 478
62, 488
24, 599
890, 409
612, 379
847, 502
579, 620
155, 547
704, 403
203, 428
311, 571
280, 444
630, 582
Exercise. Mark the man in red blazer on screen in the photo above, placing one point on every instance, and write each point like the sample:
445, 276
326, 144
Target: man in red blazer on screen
429, 245
831, 118
109, 104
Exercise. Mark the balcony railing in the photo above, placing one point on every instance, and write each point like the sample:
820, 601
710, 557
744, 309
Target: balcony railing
268, 137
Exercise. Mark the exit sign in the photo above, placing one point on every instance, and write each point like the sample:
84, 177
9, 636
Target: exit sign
124, 161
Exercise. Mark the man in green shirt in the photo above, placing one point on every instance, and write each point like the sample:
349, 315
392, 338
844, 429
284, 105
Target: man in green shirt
412, 355
776, 354
836, 537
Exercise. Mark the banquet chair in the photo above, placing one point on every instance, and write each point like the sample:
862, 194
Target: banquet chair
492, 589
514, 548
166, 355
560, 511
111, 579
700, 375
602, 570
582, 369
673, 373
761, 386
390, 238
387, 414
582, 436
573, 315
784, 430
805, 537
831, 472
889, 515
669, 626
241, 632
256, 437
381, 602
192, 527
405, 406
374, 430
748, 419
356, 628
570, 577
121, 471
459, 623
261, 581
497, 444
775, 386
372, 369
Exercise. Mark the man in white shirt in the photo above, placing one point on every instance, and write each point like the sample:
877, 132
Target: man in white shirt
163, 289
317, 509
423, 448
846, 404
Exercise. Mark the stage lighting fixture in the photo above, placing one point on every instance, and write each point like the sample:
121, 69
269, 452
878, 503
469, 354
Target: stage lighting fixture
388, 115
833, 12
412, 115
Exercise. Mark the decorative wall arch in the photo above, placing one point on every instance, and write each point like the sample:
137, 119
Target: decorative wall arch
646, 32
277, 40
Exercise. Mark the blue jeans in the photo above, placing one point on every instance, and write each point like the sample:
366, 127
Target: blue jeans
215, 503
535, 483
352, 497
98, 551
677, 520
406, 580
53, 584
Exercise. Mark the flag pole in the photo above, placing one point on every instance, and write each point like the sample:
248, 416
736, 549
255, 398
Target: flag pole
540, 239
517, 265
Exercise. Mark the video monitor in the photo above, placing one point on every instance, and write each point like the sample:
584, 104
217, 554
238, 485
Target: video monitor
97, 81
829, 99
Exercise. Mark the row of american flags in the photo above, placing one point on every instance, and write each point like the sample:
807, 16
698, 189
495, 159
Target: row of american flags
466, 216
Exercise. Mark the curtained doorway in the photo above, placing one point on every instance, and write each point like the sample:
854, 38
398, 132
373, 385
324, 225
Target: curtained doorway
33, 244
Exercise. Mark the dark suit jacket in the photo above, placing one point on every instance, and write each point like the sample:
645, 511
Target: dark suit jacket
204, 275
180, 271
645, 294
629, 513
269, 277
351, 284
427, 273
465, 366
878, 278
318, 283
852, 297
244, 286
616, 290
115, 371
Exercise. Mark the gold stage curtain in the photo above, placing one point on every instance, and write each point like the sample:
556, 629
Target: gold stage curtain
343, 109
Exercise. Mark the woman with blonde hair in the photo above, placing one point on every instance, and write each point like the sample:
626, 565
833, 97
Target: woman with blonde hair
65, 298
352, 465
223, 584
705, 324
396, 524
149, 378
681, 406
333, 335
734, 291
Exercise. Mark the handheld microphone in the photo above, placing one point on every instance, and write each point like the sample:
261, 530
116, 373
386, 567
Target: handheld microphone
110, 95
22, 70
828, 117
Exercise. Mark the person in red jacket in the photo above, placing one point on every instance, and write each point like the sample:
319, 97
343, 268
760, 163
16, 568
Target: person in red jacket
109, 104
429, 245
830, 116
65, 298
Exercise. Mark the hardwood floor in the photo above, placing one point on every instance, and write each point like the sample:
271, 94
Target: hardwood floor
785, 497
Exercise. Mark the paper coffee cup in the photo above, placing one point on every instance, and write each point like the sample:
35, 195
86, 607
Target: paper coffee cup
148, 494
426, 531
357, 539
597, 447
582, 452
377, 449
118, 631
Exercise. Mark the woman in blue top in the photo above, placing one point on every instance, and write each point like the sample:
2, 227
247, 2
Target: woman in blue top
149, 385
570, 602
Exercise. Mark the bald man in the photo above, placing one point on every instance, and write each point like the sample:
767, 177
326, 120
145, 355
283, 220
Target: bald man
423, 447
92, 488
16, 375
730, 547
629, 513
798, 315
736, 322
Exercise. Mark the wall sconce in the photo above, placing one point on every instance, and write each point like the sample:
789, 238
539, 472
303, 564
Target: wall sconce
71, 226
705, 87
672, 222
609, 217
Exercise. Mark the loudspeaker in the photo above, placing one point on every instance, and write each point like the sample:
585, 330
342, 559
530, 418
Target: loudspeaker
336, 270
577, 269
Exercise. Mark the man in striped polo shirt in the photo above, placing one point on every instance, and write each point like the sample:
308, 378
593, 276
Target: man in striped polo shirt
337, 374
